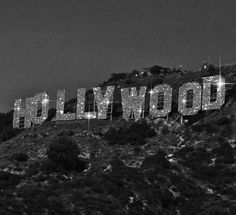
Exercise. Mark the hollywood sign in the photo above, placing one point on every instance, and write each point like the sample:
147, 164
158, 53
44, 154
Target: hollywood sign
133, 102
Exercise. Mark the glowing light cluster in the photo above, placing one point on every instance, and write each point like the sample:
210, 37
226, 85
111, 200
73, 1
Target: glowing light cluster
103, 101
196, 101
154, 94
60, 115
90, 115
133, 102
218, 81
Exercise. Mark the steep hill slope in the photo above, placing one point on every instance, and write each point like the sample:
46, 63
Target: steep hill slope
149, 167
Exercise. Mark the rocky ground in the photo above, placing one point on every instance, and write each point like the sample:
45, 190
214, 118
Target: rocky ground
179, 169
123, 168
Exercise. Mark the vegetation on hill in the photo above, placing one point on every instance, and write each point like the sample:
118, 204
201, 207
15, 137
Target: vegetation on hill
134, 134
156, 75
179, 170
147, 167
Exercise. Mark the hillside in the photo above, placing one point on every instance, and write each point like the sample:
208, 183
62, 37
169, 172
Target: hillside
151, 77
125, 168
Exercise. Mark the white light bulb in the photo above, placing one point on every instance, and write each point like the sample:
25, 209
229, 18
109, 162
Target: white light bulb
45, 101
151, 92
220, 83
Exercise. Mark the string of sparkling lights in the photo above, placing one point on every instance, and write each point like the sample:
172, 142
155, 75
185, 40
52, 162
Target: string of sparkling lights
133, 102
42, 98
30, 112
218, 81
103, 101
196, 101
166, 90
60, 115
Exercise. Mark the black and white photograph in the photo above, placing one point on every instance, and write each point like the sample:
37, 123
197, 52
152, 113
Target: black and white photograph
117, 107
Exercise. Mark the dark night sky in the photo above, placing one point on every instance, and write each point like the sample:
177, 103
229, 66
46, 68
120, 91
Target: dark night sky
66, 44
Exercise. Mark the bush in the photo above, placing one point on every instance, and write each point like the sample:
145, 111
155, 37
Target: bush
8, 180
225, 150
223, 121
226, 131
64, 152
157, 161
134, 134
20, 156
117, 77
211, 128
8, 133
207, 127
